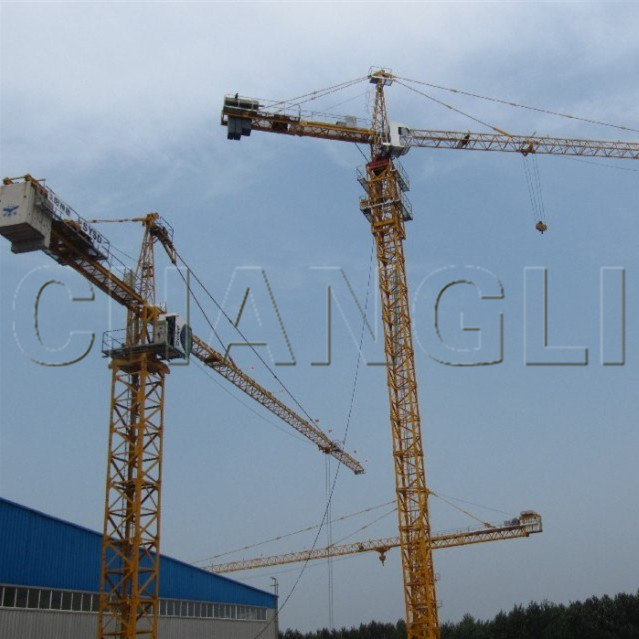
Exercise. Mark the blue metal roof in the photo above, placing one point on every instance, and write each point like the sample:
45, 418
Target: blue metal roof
37, 549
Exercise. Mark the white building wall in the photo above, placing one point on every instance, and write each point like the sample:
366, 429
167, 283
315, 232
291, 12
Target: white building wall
56, 624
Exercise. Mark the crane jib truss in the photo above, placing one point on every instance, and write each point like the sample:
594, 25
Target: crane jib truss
527, 524
258, 120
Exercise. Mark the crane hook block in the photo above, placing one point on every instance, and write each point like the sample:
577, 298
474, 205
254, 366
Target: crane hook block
541, 227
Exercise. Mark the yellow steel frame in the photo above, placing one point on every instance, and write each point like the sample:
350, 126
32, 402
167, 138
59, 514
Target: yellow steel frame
227, 368
131, 541
443, 540
387, 225
131, 546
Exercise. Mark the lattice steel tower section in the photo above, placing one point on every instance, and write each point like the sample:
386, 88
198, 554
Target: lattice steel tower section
387, 212
131, 542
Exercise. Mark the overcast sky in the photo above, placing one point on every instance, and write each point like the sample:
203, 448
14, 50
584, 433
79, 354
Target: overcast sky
117, 105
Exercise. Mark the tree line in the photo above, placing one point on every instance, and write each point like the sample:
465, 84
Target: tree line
595, 618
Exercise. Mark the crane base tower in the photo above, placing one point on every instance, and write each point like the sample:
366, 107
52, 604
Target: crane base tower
130, 554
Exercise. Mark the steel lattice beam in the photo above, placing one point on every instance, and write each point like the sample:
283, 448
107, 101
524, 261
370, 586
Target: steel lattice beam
528, 525
227, 369
131, 541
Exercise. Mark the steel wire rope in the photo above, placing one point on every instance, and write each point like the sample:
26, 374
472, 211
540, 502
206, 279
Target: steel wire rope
604, 164
453, 108
531, 191
348, 422
328, 112
372, 508
450, 503
368, 525
540, 194
329, 543
289, 570
343, 557
268, 421
305, 564
318, 93
471, 503
339, 465
119, 250
286, 431
197, 302
223, 387
365, 526
244, 338
296, 532
522, 106
362, 152
361, 341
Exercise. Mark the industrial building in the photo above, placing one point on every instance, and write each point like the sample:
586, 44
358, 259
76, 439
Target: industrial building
50, 576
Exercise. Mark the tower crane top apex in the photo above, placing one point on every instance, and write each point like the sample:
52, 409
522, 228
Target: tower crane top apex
380, 76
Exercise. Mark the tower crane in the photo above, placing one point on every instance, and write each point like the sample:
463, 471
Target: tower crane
35, 218
387, 210
528, 523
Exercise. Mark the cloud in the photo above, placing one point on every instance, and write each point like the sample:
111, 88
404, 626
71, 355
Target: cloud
118, 105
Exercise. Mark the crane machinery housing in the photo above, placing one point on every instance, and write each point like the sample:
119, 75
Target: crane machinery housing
35, 218
387, 210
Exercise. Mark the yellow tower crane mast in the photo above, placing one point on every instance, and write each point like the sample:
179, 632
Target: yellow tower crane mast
131, 542
35, 219
387, 210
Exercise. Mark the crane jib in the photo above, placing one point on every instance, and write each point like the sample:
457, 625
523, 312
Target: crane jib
243, 115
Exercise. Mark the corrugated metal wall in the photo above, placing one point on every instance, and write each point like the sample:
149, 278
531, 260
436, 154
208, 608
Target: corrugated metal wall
40, 550
182, 581
38, 624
